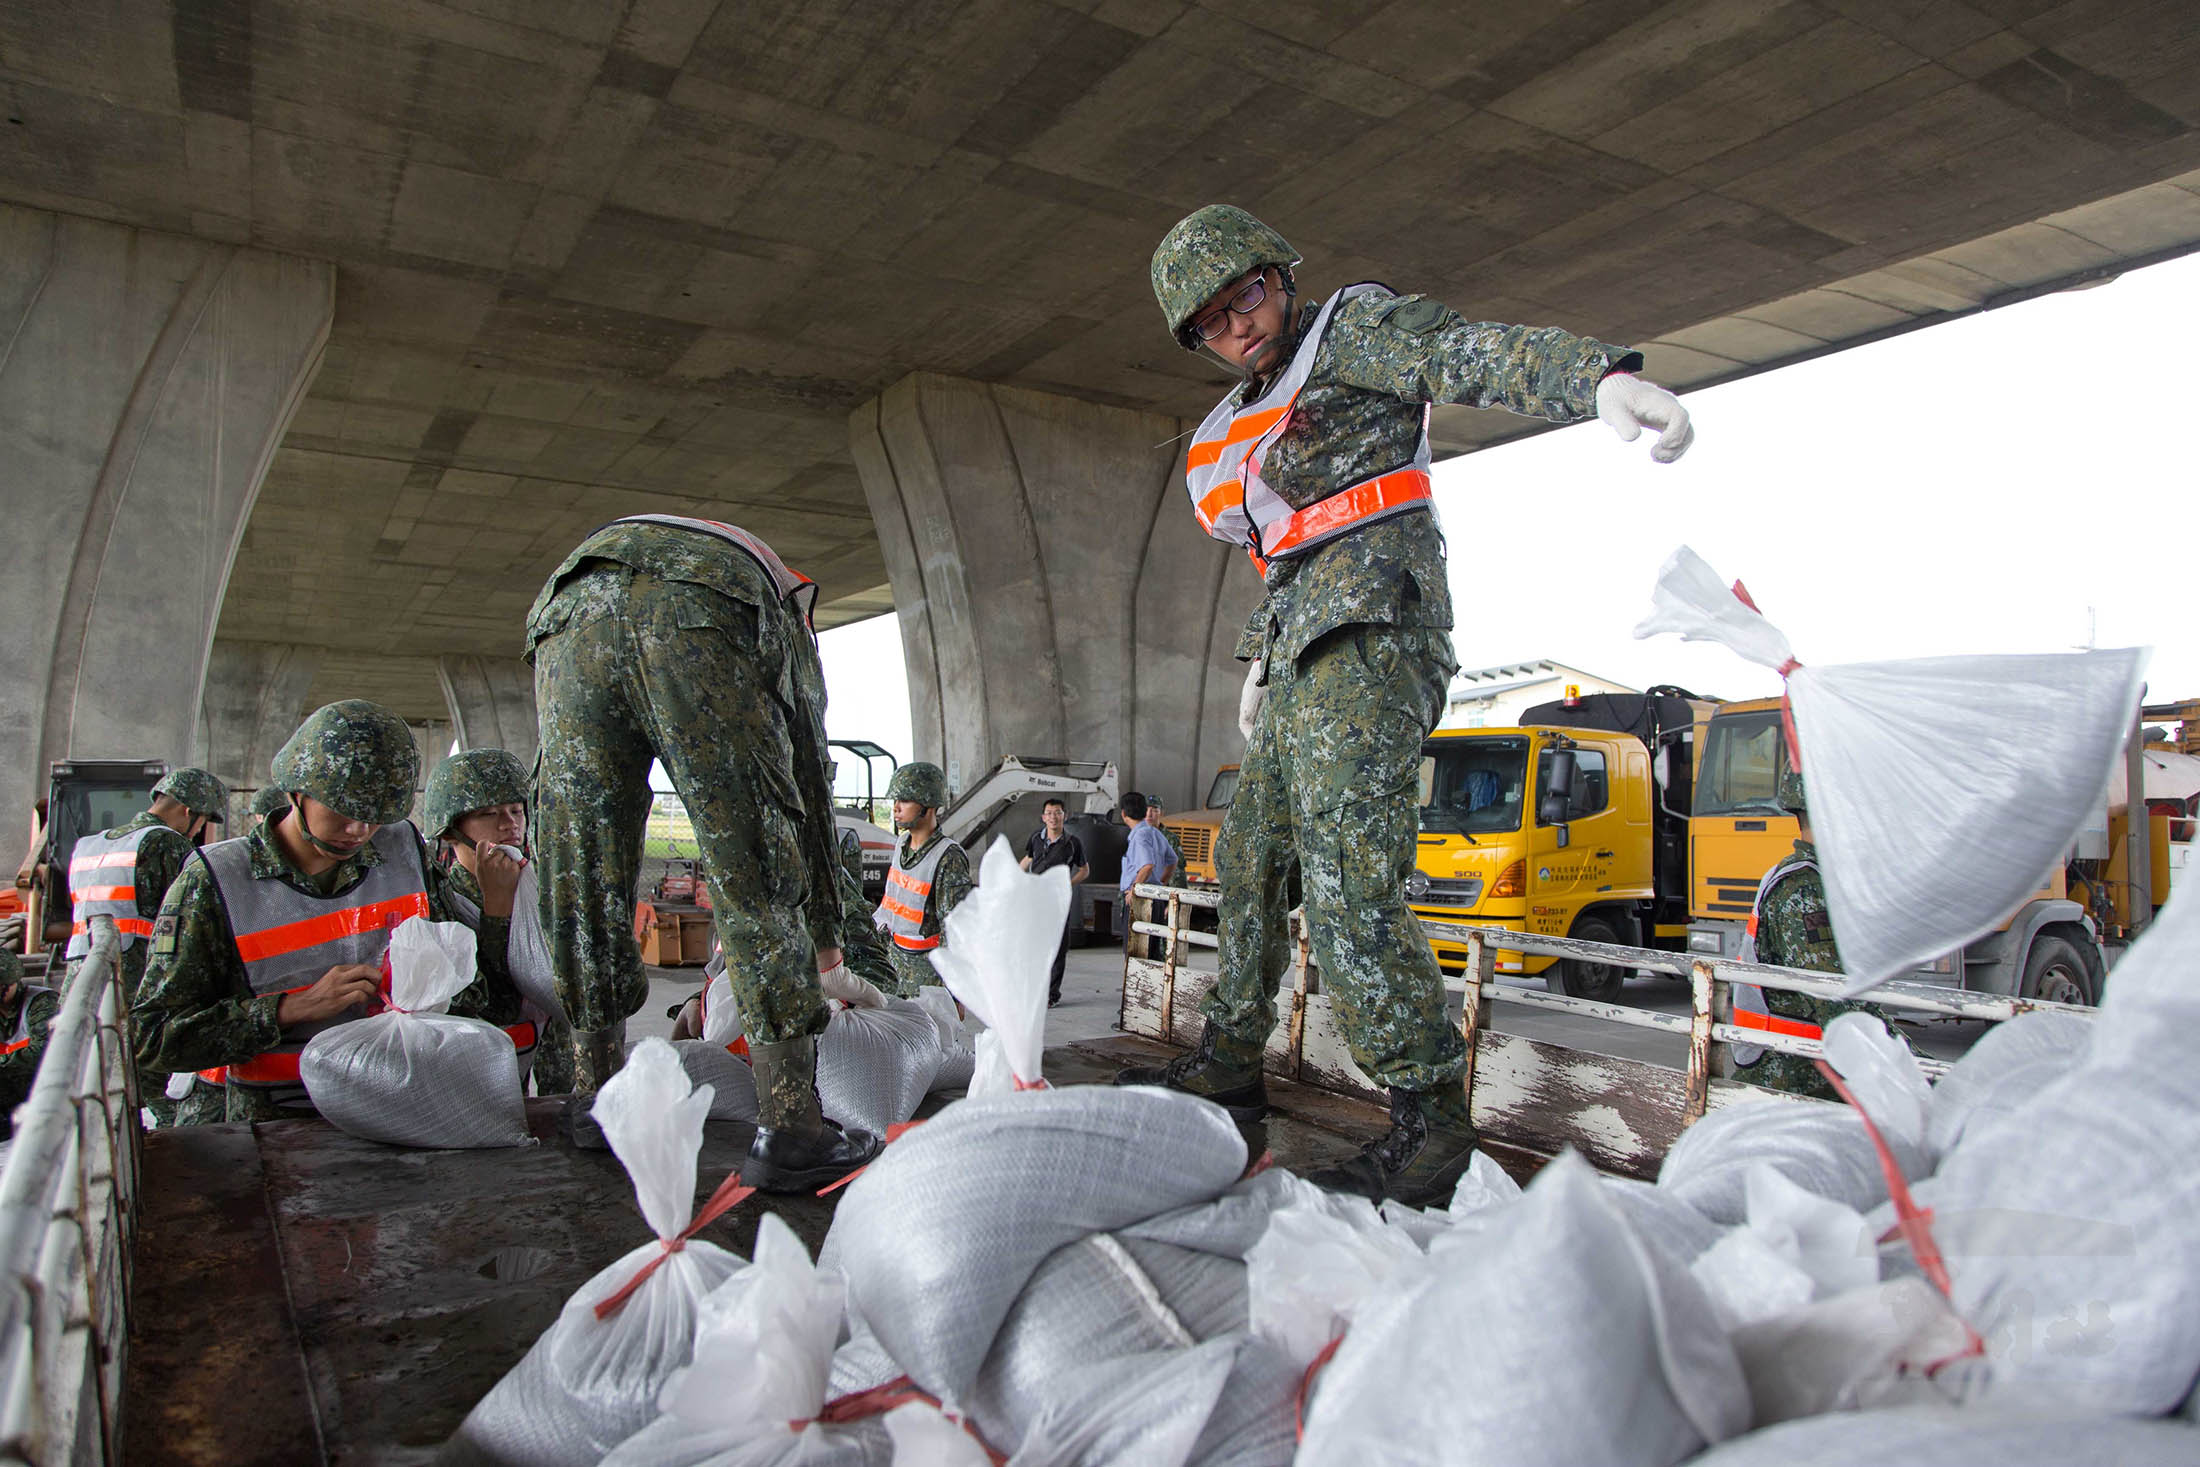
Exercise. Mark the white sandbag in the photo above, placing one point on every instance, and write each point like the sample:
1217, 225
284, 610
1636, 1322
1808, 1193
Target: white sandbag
731, 1081
958, 1042
1795, 1247
1882, 1074
1949, 1436
1663, 1220
1865, 1348
527, 951
1821, 1147
762, 1361
1321, 1259
722, 1022
1134, 1411
924, 1437
588, 1383
2068, 1227
939, 1236
1483, 1184
876, 1065
999, 950
418, 1076
1908, 762
2010, 1063
1587, 1346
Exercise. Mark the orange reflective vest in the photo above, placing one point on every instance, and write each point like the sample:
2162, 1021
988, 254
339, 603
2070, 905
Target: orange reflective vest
1750, 1009
1234, 503
103, 883
794, 588
900, 913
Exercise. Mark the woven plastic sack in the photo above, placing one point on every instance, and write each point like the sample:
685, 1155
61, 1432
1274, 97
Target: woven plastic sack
1795, 1247
875, 1066
999, 950
1320, 1260
940, 1235
528, 951
958, 1043
732, 1083
1882, 1074
1661, 1219
1915, 769
1588, 1345
1822, 1148
1134, 1411
2068, 1226
763, 1358
1948, 1436
589, 1383
2010, 1063
1861, 1349
923, 1437
417, 1076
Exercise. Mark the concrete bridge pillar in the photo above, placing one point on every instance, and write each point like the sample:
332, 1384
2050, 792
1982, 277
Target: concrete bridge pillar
255, 698
492, 701
1056, 596
145, 380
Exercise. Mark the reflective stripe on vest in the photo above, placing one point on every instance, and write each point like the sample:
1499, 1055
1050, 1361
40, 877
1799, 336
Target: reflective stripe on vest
287, 939
900, 913
1750, 1009
1235, 504
792, 586
103, 883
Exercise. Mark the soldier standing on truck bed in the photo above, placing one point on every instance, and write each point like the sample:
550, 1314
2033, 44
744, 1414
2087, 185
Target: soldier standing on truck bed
1789, 927
1318, 464
124, 873
476, 801
690, 641
269, 938
929, 877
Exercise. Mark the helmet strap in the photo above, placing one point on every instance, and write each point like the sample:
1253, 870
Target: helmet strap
305, 828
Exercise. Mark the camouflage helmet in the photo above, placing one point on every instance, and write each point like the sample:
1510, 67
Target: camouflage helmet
196, 790
355, 757
269, 798
919, 781
1206, 251
474, 779
1790, 795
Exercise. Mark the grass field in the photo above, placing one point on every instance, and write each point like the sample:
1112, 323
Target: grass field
671, 833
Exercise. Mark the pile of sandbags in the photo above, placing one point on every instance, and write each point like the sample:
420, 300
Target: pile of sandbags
416, 1075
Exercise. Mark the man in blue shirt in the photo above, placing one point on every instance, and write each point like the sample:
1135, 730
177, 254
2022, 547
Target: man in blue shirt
1147, 859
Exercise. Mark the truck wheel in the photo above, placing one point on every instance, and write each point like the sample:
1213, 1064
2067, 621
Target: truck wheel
1576, 978
2056, 971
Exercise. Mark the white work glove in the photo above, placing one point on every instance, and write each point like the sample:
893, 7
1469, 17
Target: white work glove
1249, 701
1627, 404
851, 990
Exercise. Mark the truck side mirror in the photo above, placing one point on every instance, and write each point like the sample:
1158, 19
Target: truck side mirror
1559, 794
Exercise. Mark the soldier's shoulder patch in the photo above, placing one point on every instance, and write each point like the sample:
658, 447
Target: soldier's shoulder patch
164, 932
1416, 314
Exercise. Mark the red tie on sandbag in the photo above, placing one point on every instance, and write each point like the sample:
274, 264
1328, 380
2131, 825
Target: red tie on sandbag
1913, 1224
730, 1194
1306, 1382
880, 1399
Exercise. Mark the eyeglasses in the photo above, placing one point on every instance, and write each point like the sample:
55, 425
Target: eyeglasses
1244, 303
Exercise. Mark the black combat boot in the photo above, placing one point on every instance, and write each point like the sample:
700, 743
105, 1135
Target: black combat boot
1420, 1160
597, 1056
1238, 1087
796, 1149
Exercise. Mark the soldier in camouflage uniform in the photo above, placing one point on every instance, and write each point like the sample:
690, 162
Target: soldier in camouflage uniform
267, 800
349, 772
185, 804
476, 801
929, 878
1790, 928
1317, 464
690, 641
863, 947
26, 1013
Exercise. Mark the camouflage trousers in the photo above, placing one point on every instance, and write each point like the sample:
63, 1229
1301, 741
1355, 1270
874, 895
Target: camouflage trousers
152, 1084
634, 668
1328, 805
912, 971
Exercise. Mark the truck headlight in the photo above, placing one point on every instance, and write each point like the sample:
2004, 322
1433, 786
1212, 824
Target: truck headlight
1705, 942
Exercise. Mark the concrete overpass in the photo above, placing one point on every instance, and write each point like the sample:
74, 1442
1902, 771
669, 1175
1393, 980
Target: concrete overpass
329, 327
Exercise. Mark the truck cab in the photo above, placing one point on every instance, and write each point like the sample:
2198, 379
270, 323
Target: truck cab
1197, 832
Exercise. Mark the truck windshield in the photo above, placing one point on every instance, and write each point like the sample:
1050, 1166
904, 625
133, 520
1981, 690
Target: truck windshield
1472, 786
1743, 755
1220, 792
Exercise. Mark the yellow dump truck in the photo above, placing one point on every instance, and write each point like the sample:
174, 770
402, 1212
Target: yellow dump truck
2052, 947
1574, 824
1196, 831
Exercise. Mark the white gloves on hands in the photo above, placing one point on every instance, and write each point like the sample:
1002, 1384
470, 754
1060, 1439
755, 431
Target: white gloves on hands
1627, 404
1250, 700
851, 990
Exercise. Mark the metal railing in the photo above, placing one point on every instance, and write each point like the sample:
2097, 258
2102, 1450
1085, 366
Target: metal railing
68, 1212
1709, 1026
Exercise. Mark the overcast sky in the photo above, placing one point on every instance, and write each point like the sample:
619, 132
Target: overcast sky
2012, 482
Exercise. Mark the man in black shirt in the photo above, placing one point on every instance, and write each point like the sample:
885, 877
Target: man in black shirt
1051, 846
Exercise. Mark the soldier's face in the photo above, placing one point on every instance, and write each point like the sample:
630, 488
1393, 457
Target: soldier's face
1248, 339
504, 824
333, 828
907, 813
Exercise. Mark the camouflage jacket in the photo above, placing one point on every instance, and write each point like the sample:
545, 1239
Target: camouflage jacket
19, 1067
950, 881
784, 641
1793, 928
1383, 360
196, 1009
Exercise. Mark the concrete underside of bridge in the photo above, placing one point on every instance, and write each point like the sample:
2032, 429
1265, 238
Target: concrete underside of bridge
330, 327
